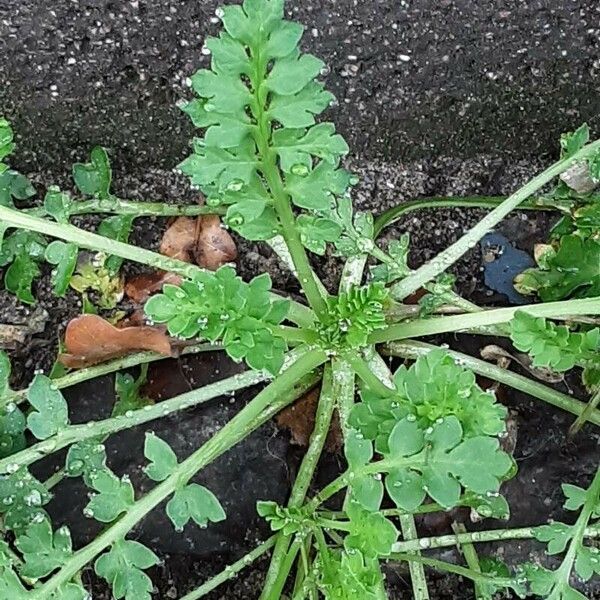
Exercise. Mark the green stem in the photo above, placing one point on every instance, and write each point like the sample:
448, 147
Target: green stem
118, 206
294, 335
441, 565
417, 571
397, 212
317, 440
54, 480
267, 403
449, 256
483, 318
585, 415
432, 507
343, 390
125, 362
415, 349
344, 380
298, 313
300, 488
76, 433
592, 496
286, 564
368, 376
230, 571
352, 272
281, 200
476, 537
471, 558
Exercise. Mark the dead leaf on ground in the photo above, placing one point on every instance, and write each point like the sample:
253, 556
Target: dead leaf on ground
201, 240
299, 420
214, 246
179, 239
89, 340
141, 287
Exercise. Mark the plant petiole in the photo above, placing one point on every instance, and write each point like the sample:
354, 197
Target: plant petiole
483, 318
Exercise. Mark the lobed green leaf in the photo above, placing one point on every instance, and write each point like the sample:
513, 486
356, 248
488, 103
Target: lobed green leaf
43, 550
220, 306
194, 502
114, 496
50, 413
123, 568
94, 178
163, 461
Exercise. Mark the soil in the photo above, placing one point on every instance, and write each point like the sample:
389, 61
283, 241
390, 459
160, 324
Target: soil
435, 99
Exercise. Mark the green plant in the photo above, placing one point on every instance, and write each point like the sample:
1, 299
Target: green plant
426, 438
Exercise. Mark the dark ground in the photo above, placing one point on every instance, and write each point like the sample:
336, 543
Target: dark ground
445, 97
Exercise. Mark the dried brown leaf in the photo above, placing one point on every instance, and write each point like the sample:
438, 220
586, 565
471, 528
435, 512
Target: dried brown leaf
214, 246
299, 420
179, 239
89, 340
141, 287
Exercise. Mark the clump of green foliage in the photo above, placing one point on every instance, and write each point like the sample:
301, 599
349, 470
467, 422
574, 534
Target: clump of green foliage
423, 439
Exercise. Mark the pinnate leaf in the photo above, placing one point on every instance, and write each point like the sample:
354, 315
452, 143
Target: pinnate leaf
289, 75
316, 232
15, 186
572, 142
220, 306
314, 189
371, 533
299, 110
24, 249
297, 146
219, 167
255, 18
85, 458
225, 93
556, 535
58, 204
21, 499
6, 138
449, 463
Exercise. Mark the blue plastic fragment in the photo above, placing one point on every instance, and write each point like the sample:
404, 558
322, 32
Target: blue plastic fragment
502, 263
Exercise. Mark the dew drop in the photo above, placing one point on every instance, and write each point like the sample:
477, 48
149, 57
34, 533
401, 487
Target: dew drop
299, 169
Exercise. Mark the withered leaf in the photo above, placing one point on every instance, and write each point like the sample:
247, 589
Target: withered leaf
299, 419
141, 287
90, 339
179, 239
214, 246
